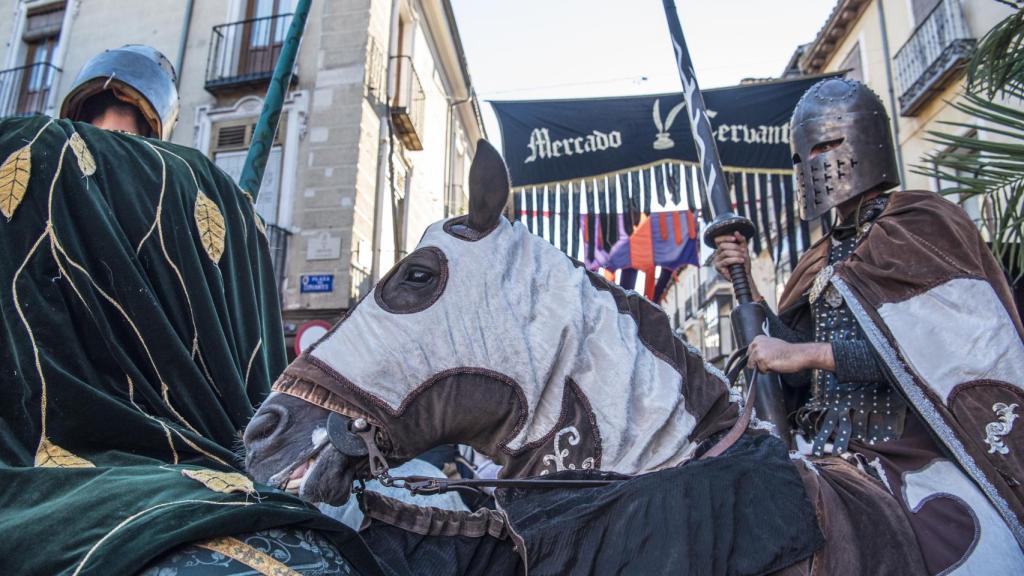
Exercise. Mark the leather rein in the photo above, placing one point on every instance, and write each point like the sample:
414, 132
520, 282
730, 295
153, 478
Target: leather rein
358, 438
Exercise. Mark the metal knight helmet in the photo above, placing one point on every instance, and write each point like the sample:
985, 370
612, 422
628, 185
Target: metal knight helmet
137, 74
842, 145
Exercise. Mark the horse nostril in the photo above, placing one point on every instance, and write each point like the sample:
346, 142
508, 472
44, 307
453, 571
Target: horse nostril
267, 423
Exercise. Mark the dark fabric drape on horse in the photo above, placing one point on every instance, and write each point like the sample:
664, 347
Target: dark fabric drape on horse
744, 513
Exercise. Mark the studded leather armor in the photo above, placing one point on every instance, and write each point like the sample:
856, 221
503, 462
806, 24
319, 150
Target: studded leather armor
841, 411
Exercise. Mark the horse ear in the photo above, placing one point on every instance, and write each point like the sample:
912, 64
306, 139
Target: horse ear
488, 188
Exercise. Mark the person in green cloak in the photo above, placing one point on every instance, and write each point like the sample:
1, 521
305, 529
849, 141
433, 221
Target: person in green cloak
141, 324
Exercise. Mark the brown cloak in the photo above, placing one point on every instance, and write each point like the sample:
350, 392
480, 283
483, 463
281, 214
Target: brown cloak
936, 307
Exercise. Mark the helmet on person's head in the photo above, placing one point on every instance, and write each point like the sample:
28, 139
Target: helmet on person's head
135, 74
842, 145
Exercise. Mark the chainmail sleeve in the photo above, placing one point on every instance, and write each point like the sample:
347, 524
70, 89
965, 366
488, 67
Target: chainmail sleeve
856, 362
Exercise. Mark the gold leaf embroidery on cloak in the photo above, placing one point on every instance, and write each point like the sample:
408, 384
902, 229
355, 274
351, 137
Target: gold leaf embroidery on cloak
211, 226
49, 455
86, 163
246, 554
14, 175
225, 482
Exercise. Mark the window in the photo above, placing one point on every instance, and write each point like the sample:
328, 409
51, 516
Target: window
229, 148
852, 62
42, 31
264, 35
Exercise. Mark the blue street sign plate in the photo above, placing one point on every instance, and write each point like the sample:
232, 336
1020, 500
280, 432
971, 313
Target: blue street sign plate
317, 283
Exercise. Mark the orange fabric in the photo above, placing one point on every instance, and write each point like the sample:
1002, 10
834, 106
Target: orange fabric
677, 228
691, 225
662, 217
610, 275
649, 281
641, 246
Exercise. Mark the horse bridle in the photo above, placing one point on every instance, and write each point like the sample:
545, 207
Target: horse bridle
358, 438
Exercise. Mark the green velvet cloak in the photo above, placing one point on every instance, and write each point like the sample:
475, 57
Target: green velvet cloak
140, 324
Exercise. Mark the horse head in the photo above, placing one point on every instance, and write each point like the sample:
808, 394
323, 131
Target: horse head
489, 336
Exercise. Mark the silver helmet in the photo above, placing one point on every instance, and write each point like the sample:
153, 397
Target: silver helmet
136, 74
842, 145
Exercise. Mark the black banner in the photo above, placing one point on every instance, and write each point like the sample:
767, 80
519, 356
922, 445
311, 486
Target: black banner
558, 140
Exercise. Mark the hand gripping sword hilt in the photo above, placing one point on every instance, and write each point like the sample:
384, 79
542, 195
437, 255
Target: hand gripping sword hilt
725, 225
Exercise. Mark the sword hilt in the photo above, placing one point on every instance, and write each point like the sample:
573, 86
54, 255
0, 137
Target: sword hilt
726, 224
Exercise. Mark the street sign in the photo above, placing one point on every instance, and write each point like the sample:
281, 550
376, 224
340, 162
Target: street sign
323, 246
317, 283
309, 333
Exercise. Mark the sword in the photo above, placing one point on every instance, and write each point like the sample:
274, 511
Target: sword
748, 318
266, 126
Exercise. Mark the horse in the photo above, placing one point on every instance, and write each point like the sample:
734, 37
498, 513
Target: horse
489, 336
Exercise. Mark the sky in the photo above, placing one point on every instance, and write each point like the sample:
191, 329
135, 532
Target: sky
537, 49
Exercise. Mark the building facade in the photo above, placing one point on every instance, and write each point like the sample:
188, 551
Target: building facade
912, 53
376, 133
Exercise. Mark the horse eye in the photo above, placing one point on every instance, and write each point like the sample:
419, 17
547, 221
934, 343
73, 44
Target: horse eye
417, 276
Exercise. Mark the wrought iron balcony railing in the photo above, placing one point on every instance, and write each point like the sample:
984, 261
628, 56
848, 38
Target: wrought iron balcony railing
407, 109
933, 56
26, 90
244, 53
277, 238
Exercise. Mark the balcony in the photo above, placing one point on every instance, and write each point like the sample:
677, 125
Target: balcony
277, 238
407, 109
933, 57
243, 54
26, 90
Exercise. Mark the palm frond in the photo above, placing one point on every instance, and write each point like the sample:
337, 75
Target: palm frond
986, 161
998, 62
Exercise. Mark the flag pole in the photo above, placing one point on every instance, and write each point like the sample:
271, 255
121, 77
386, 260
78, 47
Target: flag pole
748, 317
263, 134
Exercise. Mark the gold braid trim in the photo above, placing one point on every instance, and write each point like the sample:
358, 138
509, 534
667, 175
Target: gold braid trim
251, 557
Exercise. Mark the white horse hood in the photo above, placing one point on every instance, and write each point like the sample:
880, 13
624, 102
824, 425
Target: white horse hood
515, 305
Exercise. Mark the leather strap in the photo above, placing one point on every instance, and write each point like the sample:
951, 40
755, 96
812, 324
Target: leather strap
741, 424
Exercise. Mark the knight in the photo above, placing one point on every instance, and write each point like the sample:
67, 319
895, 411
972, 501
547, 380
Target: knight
132, 89
897, 339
